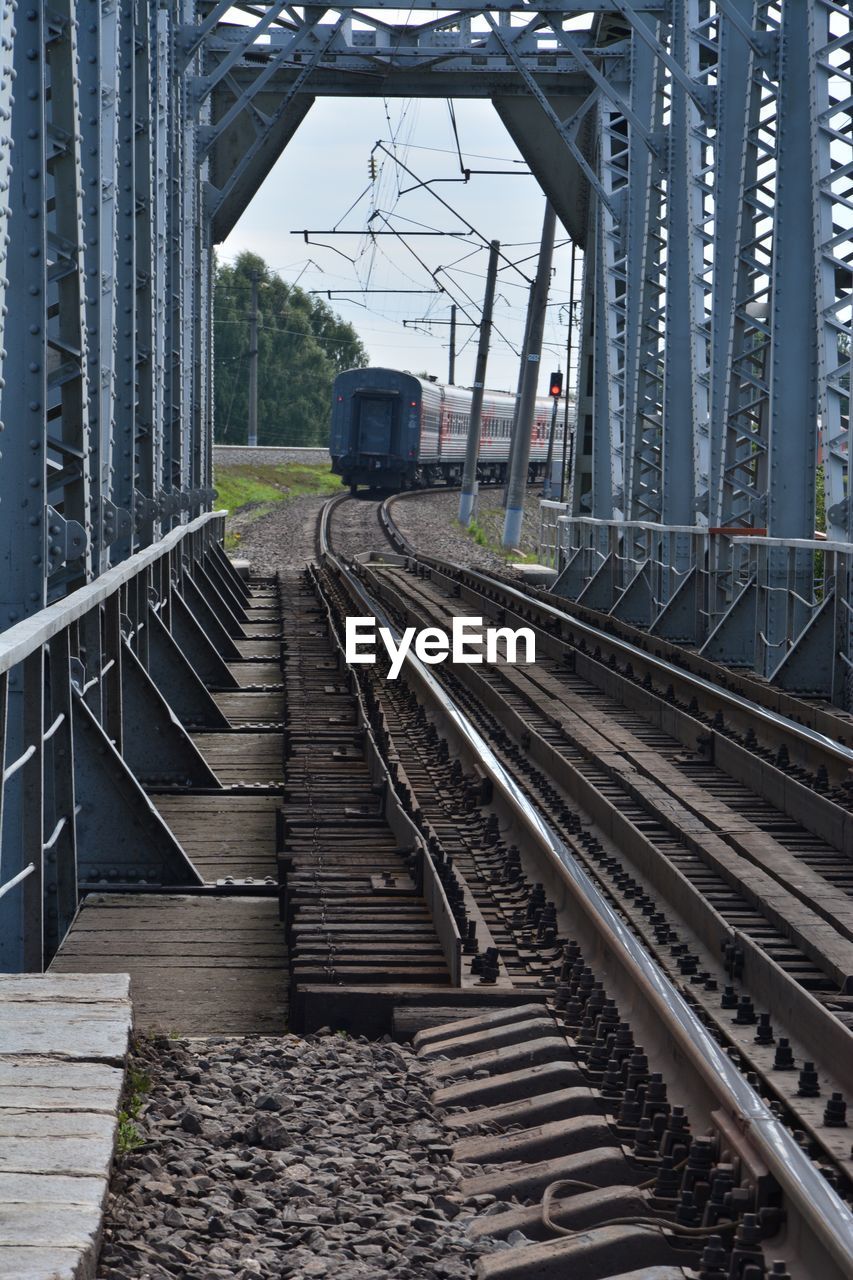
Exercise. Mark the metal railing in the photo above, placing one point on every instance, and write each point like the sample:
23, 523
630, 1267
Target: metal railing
780, 607
549, 514
631, 569
97, 693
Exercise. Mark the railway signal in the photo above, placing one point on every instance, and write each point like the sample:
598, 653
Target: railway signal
555, 389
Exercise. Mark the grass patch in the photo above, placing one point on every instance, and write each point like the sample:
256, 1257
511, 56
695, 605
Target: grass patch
128, 1137
487, 531
242, 492
250, 491
478, 534
246, 486
137, 1085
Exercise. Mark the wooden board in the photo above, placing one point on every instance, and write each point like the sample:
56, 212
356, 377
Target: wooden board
243, 757
251, 708
260, 647
255, 673
224, 835
198, 966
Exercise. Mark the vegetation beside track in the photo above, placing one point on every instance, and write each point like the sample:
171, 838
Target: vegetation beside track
250, 491
487, 530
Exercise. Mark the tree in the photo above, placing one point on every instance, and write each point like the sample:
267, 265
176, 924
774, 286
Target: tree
302, 344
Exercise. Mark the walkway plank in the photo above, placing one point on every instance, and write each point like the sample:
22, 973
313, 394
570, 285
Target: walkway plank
199, 966
243, 757
224, 835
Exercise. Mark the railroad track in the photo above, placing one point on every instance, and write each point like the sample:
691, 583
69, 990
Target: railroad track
355, 865
645, 926
352, 524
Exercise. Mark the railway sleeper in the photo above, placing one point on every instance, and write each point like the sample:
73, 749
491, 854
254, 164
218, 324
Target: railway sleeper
689, 961
351, 893
590, 1195
646, 1137
661, 788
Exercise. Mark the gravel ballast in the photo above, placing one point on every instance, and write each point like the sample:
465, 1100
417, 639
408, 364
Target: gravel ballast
284, 538
288, 1157
429, 521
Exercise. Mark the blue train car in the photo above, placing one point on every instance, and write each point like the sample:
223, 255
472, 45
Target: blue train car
391, 430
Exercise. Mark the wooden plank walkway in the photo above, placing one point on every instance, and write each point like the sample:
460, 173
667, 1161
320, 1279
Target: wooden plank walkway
225, 835
194, 966
212, 964
199, 965
63, 1041
244, 757
250, 708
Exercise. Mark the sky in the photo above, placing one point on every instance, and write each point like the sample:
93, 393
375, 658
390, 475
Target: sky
321, 182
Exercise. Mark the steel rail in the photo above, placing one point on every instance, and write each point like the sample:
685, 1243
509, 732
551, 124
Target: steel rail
828, 1216
776, 719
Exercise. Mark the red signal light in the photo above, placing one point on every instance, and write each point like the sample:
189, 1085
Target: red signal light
555, 387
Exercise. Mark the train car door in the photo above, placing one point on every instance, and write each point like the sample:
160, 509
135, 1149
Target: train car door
375, 423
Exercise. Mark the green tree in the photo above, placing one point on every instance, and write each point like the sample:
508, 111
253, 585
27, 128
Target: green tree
302, 344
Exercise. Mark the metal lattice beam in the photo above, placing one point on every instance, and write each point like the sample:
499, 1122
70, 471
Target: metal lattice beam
718, 279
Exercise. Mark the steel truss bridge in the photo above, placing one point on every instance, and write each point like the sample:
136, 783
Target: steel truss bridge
701, 154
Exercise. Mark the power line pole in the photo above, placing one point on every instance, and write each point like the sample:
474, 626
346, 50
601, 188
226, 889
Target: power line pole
472, 448
527, 407
522, 365
451, 372
253, 362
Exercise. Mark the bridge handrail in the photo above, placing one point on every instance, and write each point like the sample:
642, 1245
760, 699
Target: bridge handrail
23, 638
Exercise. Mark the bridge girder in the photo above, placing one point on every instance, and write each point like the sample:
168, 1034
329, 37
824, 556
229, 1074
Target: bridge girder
673, 139
243, 154
261, 84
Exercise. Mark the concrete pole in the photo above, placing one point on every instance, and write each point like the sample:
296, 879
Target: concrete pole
253, 362
472, 448
527, 407
567, 460
522, 364
451, 371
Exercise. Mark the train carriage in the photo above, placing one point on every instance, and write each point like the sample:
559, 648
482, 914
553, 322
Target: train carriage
392, 430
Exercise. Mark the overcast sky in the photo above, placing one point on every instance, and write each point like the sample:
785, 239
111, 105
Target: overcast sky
324, 172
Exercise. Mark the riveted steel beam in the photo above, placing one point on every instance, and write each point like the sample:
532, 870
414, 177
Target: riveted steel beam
99, 51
